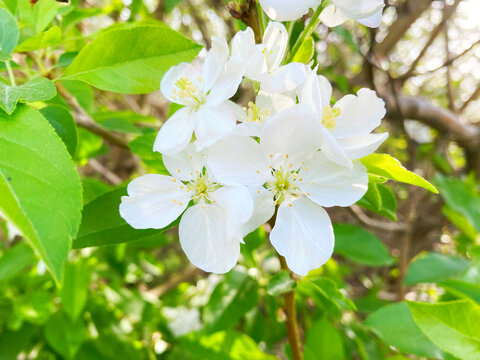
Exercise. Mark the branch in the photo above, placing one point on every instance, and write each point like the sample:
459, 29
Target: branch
472, 97
187, 275
377, 224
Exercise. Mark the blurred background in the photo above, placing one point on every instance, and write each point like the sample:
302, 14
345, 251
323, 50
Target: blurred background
143, 300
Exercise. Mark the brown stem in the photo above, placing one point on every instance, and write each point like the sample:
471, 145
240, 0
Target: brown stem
247, 12
292, 326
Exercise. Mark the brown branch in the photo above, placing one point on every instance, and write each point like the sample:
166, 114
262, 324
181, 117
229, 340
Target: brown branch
186, 276
376, 224
450, 92
85, 121
201, 24
472, 98
108, 174
248, 13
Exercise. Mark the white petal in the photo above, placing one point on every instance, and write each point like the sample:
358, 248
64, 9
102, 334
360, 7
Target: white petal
244, 48
274, 103
249, 129
325, 89
359, 9
237, 203
213, 123
361, 146
291, 137
264, 209
227, 83
303, 234
332, 16
215, 61
275, 40
238, 160
185, 164
176, 133
153, 201
330, 184
287, 10
205, 239
286, 78
359, 115
183, 70
311, 93
332, 149
372, 21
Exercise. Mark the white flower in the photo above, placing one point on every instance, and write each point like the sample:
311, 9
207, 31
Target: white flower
263, 61
347, 126
257, 113
209, 230
366, 12
288, 10
203, 92
286, 169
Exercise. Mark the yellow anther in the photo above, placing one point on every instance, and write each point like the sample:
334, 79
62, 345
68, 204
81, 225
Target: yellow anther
255, 113
290, 205
329, 116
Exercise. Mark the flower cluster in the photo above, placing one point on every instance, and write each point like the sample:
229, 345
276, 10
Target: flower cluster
283, 157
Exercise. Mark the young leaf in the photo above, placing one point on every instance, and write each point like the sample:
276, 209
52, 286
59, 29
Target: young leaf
51, 37
360, 246
43, 13
462, 289
388, 167
453, 326
41, 191
394, 324
39, 89
305, 52
8, 31
118, 61
64, 125
143, 147
381, 200
434, 267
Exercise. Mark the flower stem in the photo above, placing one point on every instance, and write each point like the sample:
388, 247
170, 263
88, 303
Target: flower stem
292, 326
10, 73
315, 19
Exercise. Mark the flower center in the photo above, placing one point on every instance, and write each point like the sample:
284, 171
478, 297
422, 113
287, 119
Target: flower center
283, 184
329, 117
201, 187
255, 113
188, 92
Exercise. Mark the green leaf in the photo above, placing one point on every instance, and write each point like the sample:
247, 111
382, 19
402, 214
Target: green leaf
43, 13
102, 224
117, 61
388, 167
462, 289
8, 31
41, 191
305, 51
64, 125
75, 288
360, 246
232, 298
14, 260
225, 345
143, 147
64, 335
394, 324
381, 200
434, 267
323, 342
4, 56
93, 188
453, 326
13, 343
461, 222
51, 37
82, 92
39, 89
280, 284
461, 196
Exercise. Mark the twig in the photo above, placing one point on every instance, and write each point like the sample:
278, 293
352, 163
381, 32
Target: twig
113, 178
377, 224
85, 121
248, 13
472, 97
187, 275
450, 93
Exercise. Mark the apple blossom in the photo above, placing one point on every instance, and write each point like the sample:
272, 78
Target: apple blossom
209, 230
288, 10
263, 61
366, 12
203, 92
346, 127
286, 169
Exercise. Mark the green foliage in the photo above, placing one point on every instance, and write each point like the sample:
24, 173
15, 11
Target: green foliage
35, 168
8, 31
64, 335
117, 61
15, 260
50, 37
280, 284
39, 89
305, 51
64, 125
381, 200
74, 291
323, 342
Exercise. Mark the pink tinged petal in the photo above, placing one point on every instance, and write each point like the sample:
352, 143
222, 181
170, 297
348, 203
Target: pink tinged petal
206, 240
275, 40
153, 201
286, 78
373, 21
264, 209
213, 124
359, 115
237, 203
361, 146
359, 9
186, 164
176, 133
330, 184
332, 149
291, 137
227, 83
332, 16
287, 10
303, 234
238, 160
214, 63
184, 70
